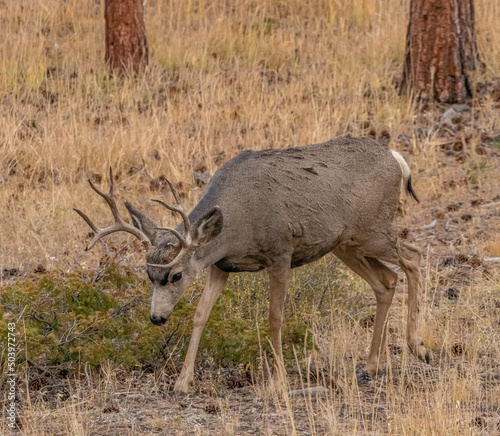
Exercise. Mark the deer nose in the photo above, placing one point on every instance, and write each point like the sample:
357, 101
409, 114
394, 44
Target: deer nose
157, 320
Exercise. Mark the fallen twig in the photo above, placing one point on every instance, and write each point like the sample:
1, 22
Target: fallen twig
492, 259
429, 226
495, 203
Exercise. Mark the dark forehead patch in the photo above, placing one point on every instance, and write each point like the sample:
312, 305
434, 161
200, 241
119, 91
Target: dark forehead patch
158, 275
164, 253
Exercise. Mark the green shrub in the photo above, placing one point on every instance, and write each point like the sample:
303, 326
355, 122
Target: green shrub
89, 318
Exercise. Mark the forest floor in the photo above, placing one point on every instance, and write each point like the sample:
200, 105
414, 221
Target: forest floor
457, 392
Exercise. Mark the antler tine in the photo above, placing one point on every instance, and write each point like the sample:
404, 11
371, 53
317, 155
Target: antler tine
119, 224
178, 208
109, 197
180, 237
87, 220
185, 240
172, 188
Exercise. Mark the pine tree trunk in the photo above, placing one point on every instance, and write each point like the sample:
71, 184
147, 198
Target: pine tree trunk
126, 44
440, 50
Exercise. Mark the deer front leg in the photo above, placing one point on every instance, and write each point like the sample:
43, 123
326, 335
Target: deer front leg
215, 283
278, 282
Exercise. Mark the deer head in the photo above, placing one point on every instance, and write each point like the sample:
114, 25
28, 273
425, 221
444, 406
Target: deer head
172, 260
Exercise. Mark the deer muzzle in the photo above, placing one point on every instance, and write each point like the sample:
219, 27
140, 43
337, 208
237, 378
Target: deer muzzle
161, 306
158, 320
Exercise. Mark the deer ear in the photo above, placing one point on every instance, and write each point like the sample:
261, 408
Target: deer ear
143, 223
207, 227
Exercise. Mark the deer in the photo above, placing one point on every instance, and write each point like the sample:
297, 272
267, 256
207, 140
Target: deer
276, 210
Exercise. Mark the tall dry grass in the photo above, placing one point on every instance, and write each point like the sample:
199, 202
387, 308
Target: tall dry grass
223, 76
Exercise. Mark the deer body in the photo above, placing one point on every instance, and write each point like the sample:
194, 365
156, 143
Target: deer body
279, 209
300, 203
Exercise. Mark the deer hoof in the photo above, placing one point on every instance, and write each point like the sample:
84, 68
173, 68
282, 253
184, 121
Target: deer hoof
427, 358
420, 352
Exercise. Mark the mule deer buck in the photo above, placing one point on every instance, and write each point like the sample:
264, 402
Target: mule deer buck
277, 210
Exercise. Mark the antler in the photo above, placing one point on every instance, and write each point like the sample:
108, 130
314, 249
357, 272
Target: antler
185, 239
119, 224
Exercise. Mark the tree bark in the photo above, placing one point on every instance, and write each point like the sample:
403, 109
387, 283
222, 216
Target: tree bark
440, 51
126, 44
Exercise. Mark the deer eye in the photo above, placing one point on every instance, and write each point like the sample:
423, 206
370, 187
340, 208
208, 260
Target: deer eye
176, 277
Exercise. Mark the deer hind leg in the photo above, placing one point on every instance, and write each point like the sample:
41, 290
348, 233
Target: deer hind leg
215, 283
383, 282
409, 260
278, 283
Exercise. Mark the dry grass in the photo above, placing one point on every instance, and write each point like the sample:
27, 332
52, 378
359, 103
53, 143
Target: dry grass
227, 76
